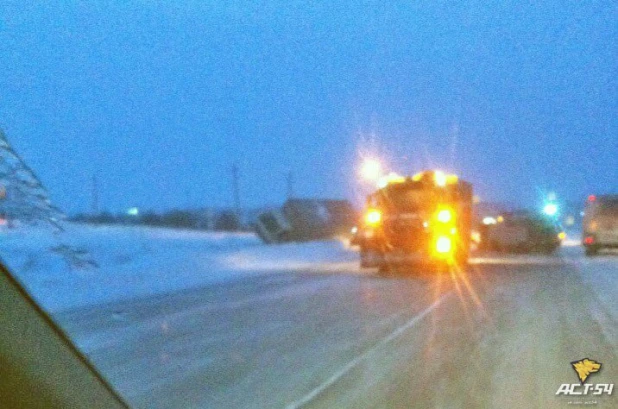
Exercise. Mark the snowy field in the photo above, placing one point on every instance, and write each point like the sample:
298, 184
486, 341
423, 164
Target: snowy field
136, 262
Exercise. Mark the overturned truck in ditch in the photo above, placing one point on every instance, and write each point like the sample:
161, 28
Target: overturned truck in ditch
305, 220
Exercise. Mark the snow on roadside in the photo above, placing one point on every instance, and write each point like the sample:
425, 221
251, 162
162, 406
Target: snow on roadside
600, 273
292, 256
141, 261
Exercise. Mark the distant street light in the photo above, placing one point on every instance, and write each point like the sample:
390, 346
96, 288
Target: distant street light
550, 209
133, 211
371, 170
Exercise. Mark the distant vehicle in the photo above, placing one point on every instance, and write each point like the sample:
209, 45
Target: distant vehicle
425, 218
522, 232
272, 227
305, 220
600, 223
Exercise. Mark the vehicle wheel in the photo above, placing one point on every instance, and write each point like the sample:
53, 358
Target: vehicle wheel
371, 258
549, 250
498, 247
364, 259
461, 259
591, 251
491, 246
462, 263
440, 267
385, 268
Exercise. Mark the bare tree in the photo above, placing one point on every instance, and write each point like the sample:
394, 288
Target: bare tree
24, 197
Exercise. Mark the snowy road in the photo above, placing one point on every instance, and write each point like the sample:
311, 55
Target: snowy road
502, 334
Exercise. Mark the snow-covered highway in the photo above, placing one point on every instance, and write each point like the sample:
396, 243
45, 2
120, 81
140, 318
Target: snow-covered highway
286, 331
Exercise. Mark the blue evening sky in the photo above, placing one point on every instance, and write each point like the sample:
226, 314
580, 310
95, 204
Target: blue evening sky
161, 98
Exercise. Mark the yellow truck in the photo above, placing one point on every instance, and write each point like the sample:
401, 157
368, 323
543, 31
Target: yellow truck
425, 218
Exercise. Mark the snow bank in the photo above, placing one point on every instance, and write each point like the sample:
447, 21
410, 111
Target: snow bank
292, 256
141, 261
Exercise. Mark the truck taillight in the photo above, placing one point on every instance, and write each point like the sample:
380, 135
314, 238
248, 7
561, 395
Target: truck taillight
444, 245
373, 217
444, 215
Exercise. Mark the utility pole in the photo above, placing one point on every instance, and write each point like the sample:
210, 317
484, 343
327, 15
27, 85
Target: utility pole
236, 189
95, 195
290, 185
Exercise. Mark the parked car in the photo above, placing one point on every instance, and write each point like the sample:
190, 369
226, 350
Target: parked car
523, 232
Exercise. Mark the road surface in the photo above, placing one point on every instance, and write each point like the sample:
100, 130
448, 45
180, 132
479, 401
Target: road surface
501, 334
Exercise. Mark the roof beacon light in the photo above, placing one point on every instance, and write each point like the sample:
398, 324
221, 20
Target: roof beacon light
439, 178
